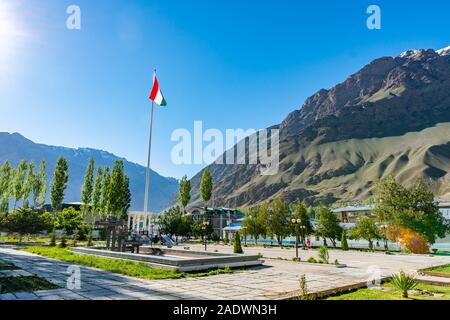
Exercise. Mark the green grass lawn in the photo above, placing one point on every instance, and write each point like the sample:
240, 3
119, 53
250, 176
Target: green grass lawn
393, 294
129, 268
441, 269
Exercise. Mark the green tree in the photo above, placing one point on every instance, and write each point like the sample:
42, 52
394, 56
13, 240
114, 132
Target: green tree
304, 228
5, 182
119, 189
172, 223
28, 185
278, 221
344, 242
328, 225
184, 193
18, 182
87, 188
59, 183
206, 186
414, 209
237, 246
69, 219
26, 222
367, 229
97, 192
40, 186
105, 191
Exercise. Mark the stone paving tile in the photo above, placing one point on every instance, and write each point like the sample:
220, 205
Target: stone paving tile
280, 277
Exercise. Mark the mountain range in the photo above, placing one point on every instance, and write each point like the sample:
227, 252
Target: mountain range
390, 117
14, 147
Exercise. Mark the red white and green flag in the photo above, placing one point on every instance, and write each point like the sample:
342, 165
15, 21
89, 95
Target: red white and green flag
156, 94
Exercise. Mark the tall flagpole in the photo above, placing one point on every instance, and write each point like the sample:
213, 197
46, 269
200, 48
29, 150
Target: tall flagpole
147, 175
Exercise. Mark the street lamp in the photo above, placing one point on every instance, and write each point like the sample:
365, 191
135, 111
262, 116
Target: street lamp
245, 236
205, 225
296, 223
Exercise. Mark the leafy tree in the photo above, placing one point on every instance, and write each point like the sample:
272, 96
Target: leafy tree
88, 187
28, 185
328, 225
97, 192
184, 192
119, 189
106, 191
172, 223
40, 186
304, 228
206, 186
5, 182
237, 247
412, 209
252, 223
26, 222
279, 219
127, 197
311, 212
69, 219
366, 229
344, 243
59, 183
18, 182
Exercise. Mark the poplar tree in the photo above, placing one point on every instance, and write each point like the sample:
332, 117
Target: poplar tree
105, 191
119, 197
88, 187
40, 186
206, 187
97, 192
184, 192
28, 185
18, 182
5, 182
59, 183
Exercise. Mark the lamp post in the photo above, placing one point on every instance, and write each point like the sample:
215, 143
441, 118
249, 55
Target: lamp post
205, 225
296, 223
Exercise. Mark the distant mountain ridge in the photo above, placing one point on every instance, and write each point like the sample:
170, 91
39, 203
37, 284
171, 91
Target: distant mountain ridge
344, 139
14, 147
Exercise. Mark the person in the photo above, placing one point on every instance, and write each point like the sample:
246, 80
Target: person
308, 244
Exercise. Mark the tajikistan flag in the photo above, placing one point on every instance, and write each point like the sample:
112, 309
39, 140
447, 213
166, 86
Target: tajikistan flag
156, 94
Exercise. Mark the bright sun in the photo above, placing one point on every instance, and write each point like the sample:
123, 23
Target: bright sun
9, 33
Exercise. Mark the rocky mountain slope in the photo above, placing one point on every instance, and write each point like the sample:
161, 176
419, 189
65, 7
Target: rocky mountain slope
391, 117
14, 147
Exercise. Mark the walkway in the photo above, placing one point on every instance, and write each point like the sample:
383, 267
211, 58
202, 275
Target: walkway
277, 279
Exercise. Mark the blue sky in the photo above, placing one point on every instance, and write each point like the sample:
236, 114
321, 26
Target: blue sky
231, 64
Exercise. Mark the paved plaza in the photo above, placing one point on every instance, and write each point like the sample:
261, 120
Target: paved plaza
276, 279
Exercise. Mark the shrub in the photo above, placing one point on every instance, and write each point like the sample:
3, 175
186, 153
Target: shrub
75, 238
311, 260
404, 282
414, 242
53, 238
323, 254
344, 243
63, 243
237, 247
214, 237
226, 240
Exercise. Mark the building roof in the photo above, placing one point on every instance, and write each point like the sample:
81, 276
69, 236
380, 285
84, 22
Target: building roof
369, 207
